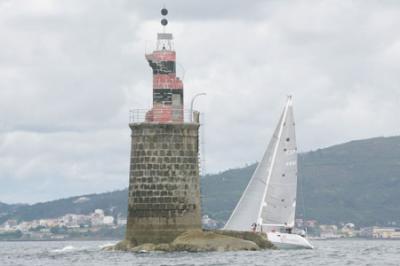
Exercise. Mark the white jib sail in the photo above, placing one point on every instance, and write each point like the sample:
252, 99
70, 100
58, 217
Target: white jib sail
270, 196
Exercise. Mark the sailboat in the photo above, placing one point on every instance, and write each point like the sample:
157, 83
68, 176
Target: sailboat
268, 203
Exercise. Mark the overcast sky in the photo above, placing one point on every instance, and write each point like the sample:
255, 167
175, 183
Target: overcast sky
70, 71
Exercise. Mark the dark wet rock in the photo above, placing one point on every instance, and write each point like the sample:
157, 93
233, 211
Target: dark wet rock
259, 238
202, 241
198, 241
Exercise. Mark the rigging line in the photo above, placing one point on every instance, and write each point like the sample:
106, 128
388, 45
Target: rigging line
260, 180
202, 144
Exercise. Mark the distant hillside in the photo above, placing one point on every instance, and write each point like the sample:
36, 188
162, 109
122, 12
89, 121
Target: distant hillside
221, 192
8, 210
4, 207
358, 181
355, 182
112, 203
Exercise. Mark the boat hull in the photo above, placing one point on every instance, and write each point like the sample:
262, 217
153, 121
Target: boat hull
288, 241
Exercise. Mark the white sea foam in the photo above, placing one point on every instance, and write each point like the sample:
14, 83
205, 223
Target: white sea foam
107, 245
65, 249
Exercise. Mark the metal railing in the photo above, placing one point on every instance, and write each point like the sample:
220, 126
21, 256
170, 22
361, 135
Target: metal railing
162, 115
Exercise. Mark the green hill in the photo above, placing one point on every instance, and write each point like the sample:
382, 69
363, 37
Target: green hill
3, 206
357, 182
221, 192
112, 203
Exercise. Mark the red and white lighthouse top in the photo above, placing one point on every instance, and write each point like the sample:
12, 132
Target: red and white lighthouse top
167, 87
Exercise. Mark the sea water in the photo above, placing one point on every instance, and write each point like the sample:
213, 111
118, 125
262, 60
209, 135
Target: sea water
326, 252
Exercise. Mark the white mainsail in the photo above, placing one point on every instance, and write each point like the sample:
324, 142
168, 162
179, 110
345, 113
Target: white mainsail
270, 197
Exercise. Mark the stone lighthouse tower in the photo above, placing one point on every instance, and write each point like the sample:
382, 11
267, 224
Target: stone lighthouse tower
164, 192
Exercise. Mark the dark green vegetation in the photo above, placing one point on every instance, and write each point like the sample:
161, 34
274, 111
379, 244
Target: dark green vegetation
112, 203
12, 235
4, 207
221, 192
355, 182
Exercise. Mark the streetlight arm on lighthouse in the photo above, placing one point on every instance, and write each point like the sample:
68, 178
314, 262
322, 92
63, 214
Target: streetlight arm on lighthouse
192, 103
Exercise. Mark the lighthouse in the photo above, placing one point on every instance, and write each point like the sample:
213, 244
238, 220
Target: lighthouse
164, 189
167, 87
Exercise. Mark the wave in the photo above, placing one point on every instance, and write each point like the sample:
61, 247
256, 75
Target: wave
107, 245
65, 249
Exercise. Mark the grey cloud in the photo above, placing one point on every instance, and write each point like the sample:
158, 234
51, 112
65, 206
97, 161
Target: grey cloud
71, 70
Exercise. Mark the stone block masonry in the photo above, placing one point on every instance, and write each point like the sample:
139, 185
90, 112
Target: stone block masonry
164, 188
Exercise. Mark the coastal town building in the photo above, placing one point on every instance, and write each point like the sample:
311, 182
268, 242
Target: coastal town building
79, 223
381, 232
